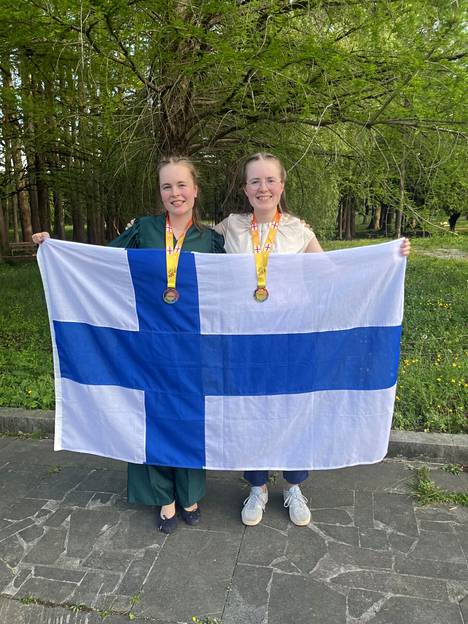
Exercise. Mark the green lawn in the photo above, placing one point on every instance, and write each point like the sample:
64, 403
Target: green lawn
432, 384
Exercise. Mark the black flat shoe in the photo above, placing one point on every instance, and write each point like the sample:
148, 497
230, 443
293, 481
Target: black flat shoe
167, 525
190, 517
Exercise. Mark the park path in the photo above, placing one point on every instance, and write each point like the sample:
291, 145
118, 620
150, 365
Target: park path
444, 254
72, 550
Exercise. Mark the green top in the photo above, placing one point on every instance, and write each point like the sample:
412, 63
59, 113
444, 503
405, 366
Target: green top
151, 232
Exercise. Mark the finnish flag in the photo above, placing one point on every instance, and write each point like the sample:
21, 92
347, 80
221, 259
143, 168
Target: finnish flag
304, 380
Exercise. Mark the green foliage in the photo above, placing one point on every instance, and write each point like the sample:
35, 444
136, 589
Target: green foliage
344, 92
454, 469
27, 600
76, 608
35, 435
273, 478
427, 492
135, 599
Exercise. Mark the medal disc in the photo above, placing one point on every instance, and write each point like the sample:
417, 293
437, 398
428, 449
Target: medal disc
170, 295
261, 294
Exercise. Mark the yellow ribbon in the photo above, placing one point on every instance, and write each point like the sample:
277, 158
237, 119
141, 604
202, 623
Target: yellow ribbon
261, 254
173, 251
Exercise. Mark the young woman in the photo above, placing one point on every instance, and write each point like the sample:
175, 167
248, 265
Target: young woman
178, 183
267, 226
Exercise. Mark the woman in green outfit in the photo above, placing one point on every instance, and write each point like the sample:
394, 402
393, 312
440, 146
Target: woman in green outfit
164, 486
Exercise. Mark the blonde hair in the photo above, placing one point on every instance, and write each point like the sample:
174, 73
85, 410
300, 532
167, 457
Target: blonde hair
266, 156
188, 163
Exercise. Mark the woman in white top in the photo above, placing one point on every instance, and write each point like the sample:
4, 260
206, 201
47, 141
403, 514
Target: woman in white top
264, 178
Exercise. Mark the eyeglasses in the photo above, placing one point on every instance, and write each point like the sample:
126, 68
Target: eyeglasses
257, 182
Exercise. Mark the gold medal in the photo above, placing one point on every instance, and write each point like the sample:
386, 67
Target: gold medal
261, 294
171, 295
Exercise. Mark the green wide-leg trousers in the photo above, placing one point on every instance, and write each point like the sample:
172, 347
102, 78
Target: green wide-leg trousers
161, 485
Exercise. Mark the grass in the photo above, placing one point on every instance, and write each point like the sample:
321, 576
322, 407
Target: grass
454, 469
27, 600
427, 492
76, 608
431, 392
25, 347
35, 435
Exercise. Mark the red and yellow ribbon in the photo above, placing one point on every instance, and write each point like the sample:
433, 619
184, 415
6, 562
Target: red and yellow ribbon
261, 254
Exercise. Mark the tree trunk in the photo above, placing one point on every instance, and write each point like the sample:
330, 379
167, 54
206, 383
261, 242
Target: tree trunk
399, 212
77, 218
27, 94
59, 216
387, 220
74, 173
12, 134
22, 193
14, 209
3, 230
91, 225
339, 220
374, 224
350, 217
42, 193
33, 201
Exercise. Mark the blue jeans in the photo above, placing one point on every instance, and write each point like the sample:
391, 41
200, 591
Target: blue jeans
260, 477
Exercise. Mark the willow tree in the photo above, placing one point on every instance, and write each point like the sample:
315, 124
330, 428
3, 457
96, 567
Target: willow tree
321, 83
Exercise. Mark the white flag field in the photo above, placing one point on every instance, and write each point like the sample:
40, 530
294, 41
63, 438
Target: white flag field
304, 380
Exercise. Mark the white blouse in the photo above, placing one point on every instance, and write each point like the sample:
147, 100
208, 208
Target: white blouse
292, 236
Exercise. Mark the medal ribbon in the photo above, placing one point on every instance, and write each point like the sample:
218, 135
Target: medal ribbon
173, 252
261, 255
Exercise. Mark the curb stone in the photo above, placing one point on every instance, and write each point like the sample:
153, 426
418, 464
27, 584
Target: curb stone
437, 447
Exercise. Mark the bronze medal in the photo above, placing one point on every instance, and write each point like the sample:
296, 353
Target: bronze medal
171, 295
261, 294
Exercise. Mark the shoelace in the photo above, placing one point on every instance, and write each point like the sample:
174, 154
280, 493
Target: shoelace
252, 500
295, 495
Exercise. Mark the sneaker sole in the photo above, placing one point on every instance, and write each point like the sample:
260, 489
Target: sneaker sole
301, 523
251, 522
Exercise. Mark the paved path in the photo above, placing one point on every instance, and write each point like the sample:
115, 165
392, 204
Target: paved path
73, 551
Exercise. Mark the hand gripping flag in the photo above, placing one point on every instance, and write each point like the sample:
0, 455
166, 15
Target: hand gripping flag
303, 380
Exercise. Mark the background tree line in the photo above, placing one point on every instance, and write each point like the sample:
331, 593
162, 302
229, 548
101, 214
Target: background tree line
364, 102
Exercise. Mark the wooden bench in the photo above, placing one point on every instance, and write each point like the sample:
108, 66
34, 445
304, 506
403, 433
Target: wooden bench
21, 252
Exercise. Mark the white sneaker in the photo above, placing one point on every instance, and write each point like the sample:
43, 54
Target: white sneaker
254, 506
297, 503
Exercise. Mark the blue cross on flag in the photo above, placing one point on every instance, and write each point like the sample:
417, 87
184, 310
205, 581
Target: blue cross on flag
304, 380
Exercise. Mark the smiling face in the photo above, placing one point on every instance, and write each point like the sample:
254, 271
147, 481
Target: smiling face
264, 186
178, 189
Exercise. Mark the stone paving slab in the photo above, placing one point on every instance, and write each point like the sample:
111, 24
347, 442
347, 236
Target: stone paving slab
72, 550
